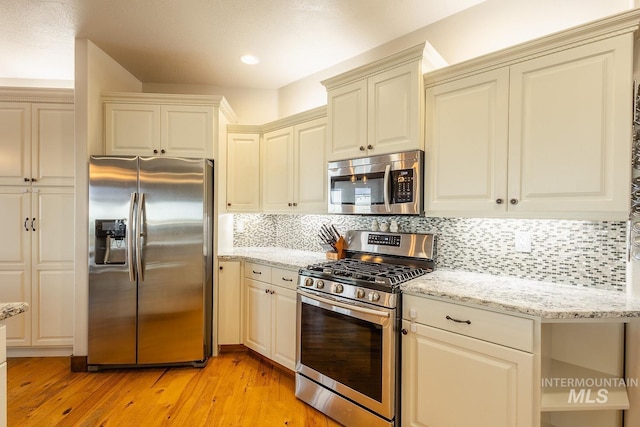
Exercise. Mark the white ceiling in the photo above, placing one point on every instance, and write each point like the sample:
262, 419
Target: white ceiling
200, 42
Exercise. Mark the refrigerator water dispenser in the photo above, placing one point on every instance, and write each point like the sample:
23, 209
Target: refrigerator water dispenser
110, 241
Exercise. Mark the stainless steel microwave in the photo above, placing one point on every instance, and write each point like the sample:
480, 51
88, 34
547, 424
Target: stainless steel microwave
389, 184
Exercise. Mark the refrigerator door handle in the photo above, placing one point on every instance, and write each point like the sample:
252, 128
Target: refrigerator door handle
132, 274
139, 235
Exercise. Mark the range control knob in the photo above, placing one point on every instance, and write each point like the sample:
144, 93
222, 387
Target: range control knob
319, 284
374, 296
337, 288
360, 293
308, 281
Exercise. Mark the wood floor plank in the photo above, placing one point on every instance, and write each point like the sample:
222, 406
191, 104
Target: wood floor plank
234, 390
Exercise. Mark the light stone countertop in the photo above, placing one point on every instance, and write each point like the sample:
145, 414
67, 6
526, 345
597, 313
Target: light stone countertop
10, 309
279, 257
545, 300
540, 299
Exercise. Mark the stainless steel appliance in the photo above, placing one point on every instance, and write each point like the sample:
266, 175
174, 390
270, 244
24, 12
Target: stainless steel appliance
349, 317
150, 261
389, 184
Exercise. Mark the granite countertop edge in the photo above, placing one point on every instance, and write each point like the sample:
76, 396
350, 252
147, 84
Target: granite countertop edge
545, 300
10, 309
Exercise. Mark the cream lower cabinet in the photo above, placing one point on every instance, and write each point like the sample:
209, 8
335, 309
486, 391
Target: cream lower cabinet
270, 310
294, 169
453, 376
229, 303
541, 137
37, 267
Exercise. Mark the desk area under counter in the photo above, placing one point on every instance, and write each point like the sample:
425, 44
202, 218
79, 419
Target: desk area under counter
557, 350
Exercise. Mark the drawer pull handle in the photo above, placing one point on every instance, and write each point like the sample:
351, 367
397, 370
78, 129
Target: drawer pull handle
468, 322
287, 280
256, 272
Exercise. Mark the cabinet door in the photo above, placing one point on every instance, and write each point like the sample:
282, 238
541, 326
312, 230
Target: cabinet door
15, 259
243, 173
132, 129
311, 166
15, 143
277, 171
228, 304
283, 340
187, 130
52, 275
53, 144
347, 121
569, 133
258, 317
394, 110
466, 144
443, 371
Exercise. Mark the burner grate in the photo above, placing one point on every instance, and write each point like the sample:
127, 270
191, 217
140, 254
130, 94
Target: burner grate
381, 273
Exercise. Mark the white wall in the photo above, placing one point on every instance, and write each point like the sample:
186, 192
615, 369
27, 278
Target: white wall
252, 106
95, 72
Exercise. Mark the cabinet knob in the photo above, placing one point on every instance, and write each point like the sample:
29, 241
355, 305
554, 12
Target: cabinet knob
162, 151
295, 204
220, 267
513, 201
362, 148
33, 180
290, 204
404, 331
27, 180
499, 201
369, 147
155, 151
228, 204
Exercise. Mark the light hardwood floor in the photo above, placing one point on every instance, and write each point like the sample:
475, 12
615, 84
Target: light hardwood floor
234, 389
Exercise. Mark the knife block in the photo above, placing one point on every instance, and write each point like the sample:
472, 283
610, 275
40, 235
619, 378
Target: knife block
339, 253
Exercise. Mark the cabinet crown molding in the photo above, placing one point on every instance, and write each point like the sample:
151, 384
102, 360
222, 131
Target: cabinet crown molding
400, 58
305, 116
29, 94
218, 101
623, 23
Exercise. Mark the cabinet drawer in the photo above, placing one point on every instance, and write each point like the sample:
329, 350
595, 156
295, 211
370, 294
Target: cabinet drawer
511, 331
257, 272
284, 278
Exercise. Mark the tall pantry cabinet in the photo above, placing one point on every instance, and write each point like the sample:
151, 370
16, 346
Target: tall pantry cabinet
37, 199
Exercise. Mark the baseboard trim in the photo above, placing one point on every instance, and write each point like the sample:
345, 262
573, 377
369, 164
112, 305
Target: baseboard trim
232, 348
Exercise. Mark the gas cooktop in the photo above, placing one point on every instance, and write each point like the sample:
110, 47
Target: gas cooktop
370, 272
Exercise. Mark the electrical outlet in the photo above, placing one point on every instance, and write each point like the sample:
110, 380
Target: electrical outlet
523, 241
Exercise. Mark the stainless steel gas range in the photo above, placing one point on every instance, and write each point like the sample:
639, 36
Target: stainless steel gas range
348, 325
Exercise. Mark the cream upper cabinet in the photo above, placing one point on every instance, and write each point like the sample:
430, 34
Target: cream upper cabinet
377, 108
37, 143
243, 172
543, 137
466, 144
163, 124
294, 168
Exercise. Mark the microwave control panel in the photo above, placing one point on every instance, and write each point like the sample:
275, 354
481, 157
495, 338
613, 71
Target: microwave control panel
402, 185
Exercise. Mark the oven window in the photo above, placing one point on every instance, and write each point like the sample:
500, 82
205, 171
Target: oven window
358, 190
343, 348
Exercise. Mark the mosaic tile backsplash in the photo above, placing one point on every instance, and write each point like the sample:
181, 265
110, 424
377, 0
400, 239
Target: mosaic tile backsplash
584, 253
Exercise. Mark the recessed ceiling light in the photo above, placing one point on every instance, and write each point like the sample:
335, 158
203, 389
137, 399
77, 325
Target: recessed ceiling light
249, 59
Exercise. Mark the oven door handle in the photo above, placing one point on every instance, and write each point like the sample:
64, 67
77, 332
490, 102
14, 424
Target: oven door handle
348, 306
386, 188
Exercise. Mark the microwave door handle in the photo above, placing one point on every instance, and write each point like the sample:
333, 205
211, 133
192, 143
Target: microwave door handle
132, 203
387, 171
139, 235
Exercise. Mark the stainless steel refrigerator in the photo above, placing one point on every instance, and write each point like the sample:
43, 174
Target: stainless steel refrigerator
150, 261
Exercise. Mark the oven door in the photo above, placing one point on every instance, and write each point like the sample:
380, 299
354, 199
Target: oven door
348, 348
